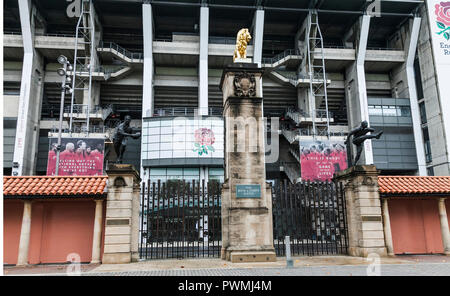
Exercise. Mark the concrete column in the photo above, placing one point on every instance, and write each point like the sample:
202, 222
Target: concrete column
147, 26
147, 83
258, 35
444, 226
364, 217
387, 228
247, 227
24, 244
122, 215
97, 239
357, 92
203, 62
415, 113
31, 92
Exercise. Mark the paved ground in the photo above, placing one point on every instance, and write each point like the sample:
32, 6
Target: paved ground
319, 265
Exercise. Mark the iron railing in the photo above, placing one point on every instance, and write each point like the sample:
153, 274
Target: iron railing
83, 109
299, 116
121, 50
180, 219
185, 111
280, 56
98, 129
313, 215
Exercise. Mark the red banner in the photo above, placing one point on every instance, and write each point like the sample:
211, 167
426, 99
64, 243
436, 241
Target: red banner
321, 159
78, 157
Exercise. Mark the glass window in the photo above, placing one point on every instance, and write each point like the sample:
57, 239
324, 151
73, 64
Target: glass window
405, 111
389, 111
191, 172
427, 145
153, 147
166, 123
157, 171
165, 154
175, 171
154, 123
375, 110
153, 130
423, 113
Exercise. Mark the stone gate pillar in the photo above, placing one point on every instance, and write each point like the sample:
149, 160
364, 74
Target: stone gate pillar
122, 215
364, 217
247, 231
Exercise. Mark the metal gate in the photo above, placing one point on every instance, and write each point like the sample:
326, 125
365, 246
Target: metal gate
180, 219
313, 215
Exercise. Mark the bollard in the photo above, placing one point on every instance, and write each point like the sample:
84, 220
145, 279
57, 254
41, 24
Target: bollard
289, 261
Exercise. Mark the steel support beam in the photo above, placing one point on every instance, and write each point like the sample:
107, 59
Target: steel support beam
203, 62
415, 113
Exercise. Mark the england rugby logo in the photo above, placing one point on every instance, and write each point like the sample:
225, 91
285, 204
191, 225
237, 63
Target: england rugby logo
443, 19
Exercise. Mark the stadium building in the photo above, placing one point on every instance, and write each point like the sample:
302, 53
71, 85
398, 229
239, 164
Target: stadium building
328, 65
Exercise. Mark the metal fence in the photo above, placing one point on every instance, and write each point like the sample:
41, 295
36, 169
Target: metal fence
180, 219
313, 215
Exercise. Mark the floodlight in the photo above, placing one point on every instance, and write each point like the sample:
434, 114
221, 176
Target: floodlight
62, 59
61, 72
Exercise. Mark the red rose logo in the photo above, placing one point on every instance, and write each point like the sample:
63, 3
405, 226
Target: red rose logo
443, 18
204, 139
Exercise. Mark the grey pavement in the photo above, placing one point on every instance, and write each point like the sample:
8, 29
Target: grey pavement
423, 269
404, 265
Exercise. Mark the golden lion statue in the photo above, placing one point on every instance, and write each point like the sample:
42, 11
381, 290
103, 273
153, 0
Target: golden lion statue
242, 40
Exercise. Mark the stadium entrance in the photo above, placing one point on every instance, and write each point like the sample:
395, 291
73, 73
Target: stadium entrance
182, 219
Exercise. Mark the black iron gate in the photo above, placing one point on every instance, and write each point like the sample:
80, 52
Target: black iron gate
180, 219
313, 215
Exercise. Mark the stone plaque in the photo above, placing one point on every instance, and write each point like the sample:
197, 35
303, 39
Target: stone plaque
248, 191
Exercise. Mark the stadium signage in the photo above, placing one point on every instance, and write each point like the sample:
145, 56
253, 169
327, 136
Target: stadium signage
439, 25
248, 191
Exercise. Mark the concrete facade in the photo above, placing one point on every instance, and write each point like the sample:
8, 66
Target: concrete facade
177, 64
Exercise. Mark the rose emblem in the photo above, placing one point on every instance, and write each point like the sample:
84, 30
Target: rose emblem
443, 18
204, 139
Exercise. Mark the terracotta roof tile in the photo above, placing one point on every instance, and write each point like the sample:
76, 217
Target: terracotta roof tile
54, 186
414, 185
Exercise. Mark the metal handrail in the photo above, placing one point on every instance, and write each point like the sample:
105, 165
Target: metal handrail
280, 56
55, 35
100, 69
184, 111
296, 115
82, 129
384, 48
121, 50
82, 109
221, 40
